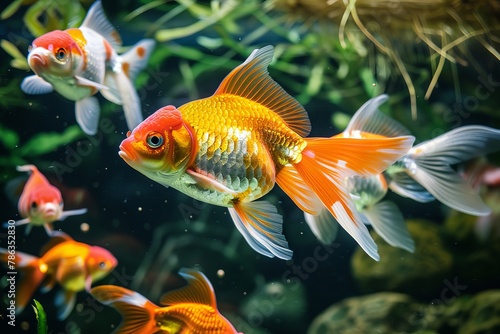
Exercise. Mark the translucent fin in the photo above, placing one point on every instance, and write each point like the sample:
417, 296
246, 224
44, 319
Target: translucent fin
404, 185
137, 311
65, 302
31, 276
252, 81
35, 85
87, 114
429, 163
81, 81
130, 100
97, 21
48, 228
289, 180
261, 226
387, 220
135, 60
198, 291
66, 214
323, 225
369, 119
327, 162
208, 182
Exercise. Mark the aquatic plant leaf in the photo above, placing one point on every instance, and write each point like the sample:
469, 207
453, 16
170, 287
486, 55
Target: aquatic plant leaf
9, 138
19, 60
11, 9
48, 142
41, 317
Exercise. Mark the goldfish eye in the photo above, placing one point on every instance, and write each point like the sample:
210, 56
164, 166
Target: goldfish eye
154, 140
34, 206
102, 265
60, 54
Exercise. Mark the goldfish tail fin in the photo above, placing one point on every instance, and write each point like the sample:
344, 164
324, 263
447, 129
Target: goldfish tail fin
65, 302
28, 267
136, 310
323, 225
429, 163
388, 221
327, 162
261, 226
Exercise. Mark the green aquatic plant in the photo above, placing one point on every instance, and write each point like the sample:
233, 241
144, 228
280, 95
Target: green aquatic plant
41, 317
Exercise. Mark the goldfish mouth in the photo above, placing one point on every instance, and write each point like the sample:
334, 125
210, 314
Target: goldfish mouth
126, 155
36, 61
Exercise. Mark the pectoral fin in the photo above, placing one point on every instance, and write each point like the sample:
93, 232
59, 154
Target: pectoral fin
261, 226
65, 301
87, 114
89, 83
207, 182
35, 85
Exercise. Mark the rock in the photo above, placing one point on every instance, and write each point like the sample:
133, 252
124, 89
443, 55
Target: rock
418, 274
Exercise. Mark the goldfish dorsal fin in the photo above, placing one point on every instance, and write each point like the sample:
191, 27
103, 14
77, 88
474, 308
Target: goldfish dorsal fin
198, 291
97, 21
251, 80
370, 119
57, 237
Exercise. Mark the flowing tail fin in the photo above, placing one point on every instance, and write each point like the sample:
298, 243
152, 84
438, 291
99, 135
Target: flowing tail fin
429, 164
31, 271
137, 311
327, 162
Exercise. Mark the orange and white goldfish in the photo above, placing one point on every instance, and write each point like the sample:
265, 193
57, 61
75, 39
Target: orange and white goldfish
231, 148
190, 309
73, 265
79, 62
423, 174
41, 203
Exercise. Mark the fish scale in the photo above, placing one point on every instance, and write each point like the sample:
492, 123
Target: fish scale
203, 316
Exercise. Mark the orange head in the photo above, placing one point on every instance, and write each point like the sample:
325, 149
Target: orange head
100, 262
55, 54
162, 147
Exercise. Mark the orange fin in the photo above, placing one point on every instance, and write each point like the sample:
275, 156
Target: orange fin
252, 81
56, 237
31, 276
327, 162
136, 310
261, 226
198, 291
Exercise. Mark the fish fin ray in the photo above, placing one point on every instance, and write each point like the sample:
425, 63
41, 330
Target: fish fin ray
81, 81
207, 182
130, 100
289, 180
199, 290
261, 226
404, 185
35, 85
96, 20
325, 175
370, 119
388, 221
65, 302
323, 225
136, 310
135, 60
251, 80
87, 114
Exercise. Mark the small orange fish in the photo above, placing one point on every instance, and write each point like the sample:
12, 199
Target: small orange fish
73, 265
231, 148
40, 202
191, 309
79, 62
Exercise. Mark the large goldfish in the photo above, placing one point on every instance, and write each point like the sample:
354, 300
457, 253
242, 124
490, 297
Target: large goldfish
73, 265
79, 62
41, 203
423, 174
191, 309
231, 148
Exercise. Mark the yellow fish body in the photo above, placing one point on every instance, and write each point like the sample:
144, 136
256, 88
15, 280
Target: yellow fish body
231, 148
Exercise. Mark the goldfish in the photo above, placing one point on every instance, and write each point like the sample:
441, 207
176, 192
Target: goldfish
79, 62
423, 174
190, 309
71, 264
41, 203
230, 149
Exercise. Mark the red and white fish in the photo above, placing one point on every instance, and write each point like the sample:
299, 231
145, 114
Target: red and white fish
41, 203
191, 309
79, 62
231, 148
73, 265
